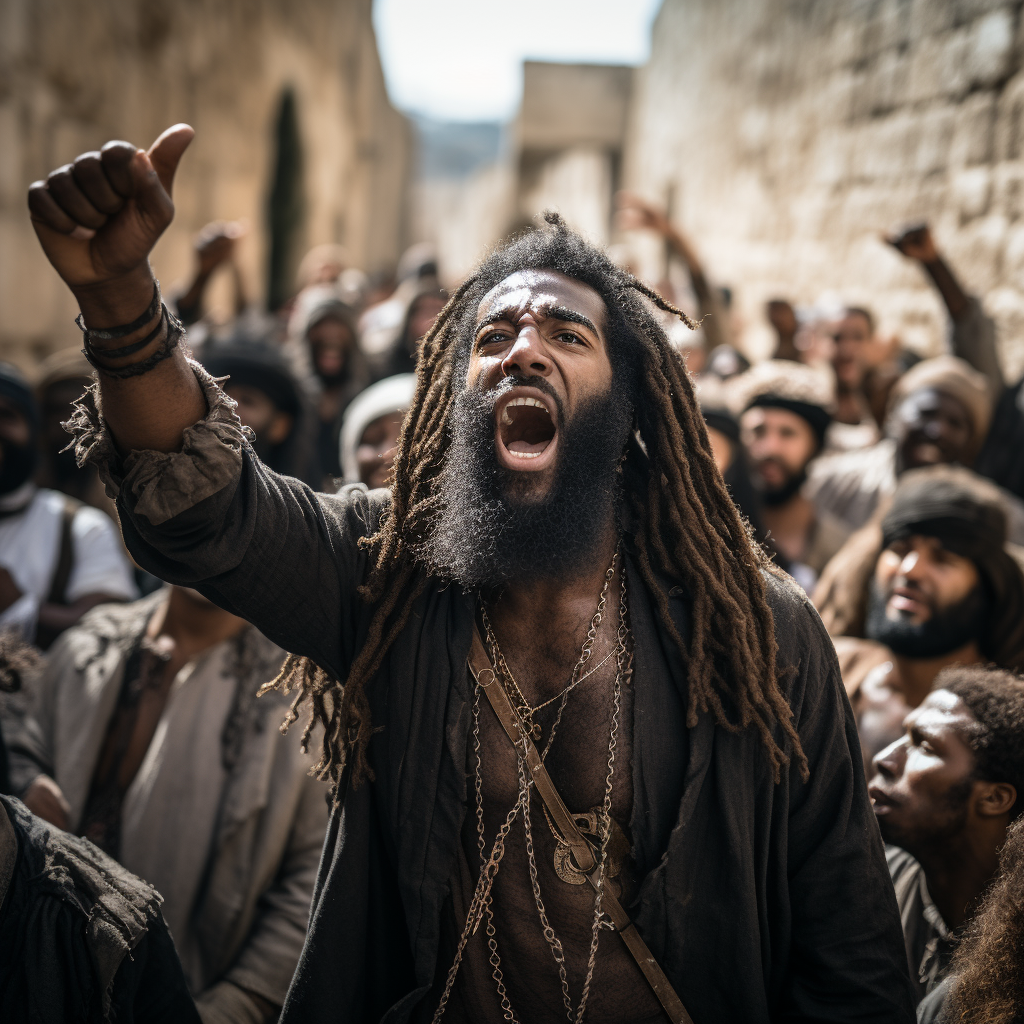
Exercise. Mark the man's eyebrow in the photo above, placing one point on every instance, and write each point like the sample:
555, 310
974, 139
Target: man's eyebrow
548, 312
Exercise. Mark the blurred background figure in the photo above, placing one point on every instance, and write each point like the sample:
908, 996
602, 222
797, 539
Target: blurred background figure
423, 310
58, 557
214, 248
787, 411
855, 352
636, 214
270, 401
782, 317
381, 325
370, 430
327, 355
939, 413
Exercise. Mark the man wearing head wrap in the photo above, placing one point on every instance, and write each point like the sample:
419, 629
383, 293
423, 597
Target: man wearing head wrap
939, 586
369, 432
787, 412
58, 558
939, 413
270, 402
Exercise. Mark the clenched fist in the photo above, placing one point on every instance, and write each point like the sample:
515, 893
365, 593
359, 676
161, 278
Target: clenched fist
98, 218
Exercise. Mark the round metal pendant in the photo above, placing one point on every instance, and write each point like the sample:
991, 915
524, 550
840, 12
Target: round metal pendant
564, 867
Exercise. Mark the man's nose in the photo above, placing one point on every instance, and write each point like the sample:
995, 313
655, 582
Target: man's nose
889, 762
910, 565
527, 357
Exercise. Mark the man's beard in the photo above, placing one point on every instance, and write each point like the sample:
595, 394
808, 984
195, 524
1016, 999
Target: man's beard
487, 534
775, 496
947, 630
17, 461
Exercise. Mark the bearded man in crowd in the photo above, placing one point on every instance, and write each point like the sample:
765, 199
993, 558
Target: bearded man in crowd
554, 490
935, 584
787, 413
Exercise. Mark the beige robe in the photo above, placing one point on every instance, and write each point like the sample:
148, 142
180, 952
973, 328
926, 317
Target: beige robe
228, 831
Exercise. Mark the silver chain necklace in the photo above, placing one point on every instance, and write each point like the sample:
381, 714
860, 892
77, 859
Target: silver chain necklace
481, 906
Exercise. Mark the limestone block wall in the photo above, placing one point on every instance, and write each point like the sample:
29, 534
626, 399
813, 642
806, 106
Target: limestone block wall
74, 74
789, 134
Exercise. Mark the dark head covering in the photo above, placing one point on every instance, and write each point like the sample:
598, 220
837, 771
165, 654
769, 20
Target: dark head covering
16, 389
333, 309
259, 363
967, 516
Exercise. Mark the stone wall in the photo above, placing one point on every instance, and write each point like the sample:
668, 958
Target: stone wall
790, 134
75, 74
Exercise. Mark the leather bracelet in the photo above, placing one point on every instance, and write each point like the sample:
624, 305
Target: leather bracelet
113, 333
127, 350
175, 332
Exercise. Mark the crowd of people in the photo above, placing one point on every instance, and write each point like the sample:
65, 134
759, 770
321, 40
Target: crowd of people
146, 793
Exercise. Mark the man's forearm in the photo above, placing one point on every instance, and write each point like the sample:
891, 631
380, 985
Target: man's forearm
949, 287
152, 410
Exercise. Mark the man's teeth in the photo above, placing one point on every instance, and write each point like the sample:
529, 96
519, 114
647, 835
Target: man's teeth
524, 455
506, 419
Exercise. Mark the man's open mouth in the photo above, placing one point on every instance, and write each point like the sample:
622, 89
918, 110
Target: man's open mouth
526, 429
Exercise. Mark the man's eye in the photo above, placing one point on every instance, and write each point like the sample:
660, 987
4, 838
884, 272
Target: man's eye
492, 337
569, 337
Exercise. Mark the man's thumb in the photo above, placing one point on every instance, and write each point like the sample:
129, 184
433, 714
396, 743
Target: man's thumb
165, 153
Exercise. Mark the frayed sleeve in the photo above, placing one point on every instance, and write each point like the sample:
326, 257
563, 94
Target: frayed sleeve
161, 485
213, 517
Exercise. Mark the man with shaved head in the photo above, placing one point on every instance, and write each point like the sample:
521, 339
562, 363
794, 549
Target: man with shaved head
540, 657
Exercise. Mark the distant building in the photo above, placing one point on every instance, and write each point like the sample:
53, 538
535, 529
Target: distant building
295, 133
570, 136
477, 183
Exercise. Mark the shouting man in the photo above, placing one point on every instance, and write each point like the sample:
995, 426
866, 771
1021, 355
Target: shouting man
554, 492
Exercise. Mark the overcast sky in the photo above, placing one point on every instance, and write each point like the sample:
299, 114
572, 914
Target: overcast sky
461, 59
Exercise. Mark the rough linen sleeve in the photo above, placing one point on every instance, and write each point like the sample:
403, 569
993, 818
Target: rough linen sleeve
263, 546
848, 962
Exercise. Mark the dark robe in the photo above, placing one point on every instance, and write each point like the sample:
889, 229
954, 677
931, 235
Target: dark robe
761, 901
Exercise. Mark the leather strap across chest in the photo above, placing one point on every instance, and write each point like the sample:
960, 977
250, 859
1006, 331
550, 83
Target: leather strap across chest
582, 851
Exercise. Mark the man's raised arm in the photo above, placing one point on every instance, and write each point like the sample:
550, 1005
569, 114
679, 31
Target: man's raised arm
197, 508
97, 220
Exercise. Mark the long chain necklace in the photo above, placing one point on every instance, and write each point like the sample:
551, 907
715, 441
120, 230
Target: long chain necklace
524, 709
481, 907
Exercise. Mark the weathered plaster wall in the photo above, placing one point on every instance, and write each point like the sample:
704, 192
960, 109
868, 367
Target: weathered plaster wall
73, 75
791, 133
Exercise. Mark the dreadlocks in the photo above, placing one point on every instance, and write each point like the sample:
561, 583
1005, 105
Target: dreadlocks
687, 528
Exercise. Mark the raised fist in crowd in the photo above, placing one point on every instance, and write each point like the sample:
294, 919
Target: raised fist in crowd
99, 217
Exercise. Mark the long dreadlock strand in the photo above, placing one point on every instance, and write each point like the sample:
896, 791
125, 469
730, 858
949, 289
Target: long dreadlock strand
687, 528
